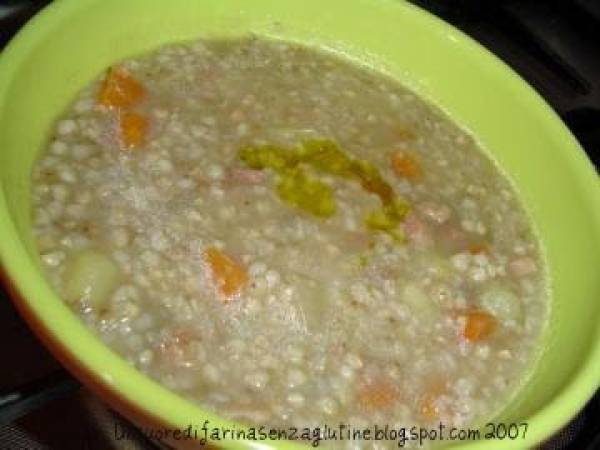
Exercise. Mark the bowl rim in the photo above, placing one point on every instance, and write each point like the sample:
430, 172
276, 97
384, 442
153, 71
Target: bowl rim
26, 282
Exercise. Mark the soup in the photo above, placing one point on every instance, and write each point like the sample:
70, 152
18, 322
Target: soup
290, 239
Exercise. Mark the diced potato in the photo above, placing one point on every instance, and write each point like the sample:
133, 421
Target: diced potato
230, 275
120, 90
90, 277
133, 128
502, 303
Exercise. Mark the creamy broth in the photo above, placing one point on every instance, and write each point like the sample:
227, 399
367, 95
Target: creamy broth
286, 238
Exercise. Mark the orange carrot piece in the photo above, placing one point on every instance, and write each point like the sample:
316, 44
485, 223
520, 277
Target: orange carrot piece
406, 166
120, 90
133, 128
478, 325
230, 275
377, 395
428, 407
476, 249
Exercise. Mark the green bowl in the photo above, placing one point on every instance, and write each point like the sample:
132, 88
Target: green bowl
72, 41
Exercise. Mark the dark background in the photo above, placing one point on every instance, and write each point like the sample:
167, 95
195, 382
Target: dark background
554, 45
